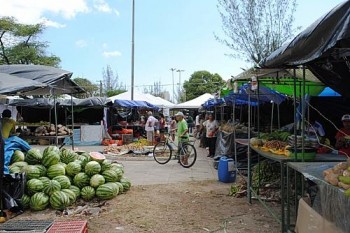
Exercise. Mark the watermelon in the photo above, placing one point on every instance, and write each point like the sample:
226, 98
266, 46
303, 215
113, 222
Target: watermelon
126, 183
117, 166
45, 180
42, 169
63, 164
115, 187
96, 180
97, 156
67, 156
33, 156
18, 156
81, 180
106, 191
25, 201
63, 180
76, 190
32, 172
84, 160
92, 168
111, 175
59, 200
50, 158
39, 201
21, 165
121, 187
52, 186
87, 193
73, 168
106, 164
51, 149
15, 169
71, 195
34, 186
55, 170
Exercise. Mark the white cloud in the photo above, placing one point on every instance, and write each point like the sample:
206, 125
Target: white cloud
33, 11
81, 43
112, 54
103, 6
50, 23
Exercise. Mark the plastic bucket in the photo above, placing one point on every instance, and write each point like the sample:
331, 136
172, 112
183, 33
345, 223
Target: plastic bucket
227, 170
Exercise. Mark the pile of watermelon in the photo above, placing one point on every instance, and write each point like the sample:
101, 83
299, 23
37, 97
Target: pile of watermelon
57, 178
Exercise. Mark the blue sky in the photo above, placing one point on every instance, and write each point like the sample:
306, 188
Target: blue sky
88, 35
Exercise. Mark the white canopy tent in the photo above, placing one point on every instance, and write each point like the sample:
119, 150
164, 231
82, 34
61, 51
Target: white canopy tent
158, 101
194, 103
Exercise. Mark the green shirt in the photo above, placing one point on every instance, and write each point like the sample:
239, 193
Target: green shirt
181, 128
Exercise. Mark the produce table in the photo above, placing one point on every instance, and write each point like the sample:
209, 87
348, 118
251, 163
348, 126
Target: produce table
283, 160
48, 137
331, 203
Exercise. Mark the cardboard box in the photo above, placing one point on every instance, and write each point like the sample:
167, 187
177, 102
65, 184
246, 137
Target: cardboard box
309, 221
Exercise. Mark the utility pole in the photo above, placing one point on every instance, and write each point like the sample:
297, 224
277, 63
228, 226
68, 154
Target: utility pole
172, 74
180, 91
100, 88
132, 49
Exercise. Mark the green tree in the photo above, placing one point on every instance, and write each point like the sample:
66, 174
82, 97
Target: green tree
90, 88
111, 81
255, 28
202, 82
115, 92
19, 44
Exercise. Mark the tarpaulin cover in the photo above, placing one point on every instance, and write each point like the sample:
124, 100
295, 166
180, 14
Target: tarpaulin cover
213, 102
49, 102
225, 144
12, 84
324, 47
329, 92
57, 80
262, 95
11, 144
134, 104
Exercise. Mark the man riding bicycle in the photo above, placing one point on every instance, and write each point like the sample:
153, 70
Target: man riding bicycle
182, 135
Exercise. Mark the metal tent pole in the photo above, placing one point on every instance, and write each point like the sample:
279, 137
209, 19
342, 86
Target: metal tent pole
55, 109
72, 136
2, 165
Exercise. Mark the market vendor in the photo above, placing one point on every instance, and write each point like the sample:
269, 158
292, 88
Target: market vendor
343, 137
8, 124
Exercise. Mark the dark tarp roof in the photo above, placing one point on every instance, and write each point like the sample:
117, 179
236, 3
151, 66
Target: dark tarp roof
12, 84
57, 80
324, 47
315, 40
49, 102
134, 104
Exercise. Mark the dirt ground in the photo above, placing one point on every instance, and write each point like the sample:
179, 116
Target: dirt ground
202, 206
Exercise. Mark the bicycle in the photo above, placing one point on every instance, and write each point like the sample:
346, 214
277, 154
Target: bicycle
163, 151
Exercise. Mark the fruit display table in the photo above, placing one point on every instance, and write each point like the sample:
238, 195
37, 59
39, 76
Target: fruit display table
330, 201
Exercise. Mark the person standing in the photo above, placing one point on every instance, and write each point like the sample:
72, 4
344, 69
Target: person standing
182, 134
212, 127
149, 127
197, 125
190, 123
8, 124
343, 137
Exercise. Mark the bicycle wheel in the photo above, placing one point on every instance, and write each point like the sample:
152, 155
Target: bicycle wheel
162, 153
188, 155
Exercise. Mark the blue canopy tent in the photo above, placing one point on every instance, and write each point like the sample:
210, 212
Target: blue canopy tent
135, 104
329, 92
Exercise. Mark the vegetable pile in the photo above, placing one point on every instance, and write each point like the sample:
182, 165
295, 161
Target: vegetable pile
57, 178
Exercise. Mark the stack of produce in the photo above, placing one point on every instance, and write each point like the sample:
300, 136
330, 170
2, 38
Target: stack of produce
51, 130
135, 146
57, 178
339, 175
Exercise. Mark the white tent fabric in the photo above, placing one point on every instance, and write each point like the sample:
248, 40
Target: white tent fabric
159, 102
194, 103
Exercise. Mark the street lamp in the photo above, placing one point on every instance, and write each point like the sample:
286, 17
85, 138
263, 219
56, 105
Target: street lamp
180, 77
132, 49
172, 74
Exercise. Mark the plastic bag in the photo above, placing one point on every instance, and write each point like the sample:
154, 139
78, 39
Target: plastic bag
13, 190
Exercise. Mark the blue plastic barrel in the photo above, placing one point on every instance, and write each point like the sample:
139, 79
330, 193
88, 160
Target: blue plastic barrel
227, 170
